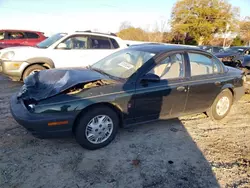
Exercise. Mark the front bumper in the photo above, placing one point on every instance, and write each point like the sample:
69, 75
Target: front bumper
13, 68
38, 124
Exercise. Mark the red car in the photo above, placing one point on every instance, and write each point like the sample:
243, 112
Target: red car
10, 38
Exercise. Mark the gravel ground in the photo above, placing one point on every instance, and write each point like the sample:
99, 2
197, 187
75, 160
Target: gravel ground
191, 151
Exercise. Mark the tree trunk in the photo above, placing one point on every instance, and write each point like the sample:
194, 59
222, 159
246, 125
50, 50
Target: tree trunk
200, 41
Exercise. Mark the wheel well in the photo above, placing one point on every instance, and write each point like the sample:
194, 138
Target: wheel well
104, 104
231, 90
42, 64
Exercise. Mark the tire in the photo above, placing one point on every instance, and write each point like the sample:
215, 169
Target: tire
81, 130
214, 113
32, 68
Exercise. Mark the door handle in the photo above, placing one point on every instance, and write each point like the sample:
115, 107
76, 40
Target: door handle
217, 83
181, 88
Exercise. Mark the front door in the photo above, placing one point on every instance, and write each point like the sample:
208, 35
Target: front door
82, 50
166, 97
72, 52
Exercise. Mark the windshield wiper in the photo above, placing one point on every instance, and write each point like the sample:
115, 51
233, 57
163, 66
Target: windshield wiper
102, 72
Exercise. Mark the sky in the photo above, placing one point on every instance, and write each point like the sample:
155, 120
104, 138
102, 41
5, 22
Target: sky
51, 16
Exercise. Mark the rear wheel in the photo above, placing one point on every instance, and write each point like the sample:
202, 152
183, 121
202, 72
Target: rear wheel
221, 105
32, 69
97, 128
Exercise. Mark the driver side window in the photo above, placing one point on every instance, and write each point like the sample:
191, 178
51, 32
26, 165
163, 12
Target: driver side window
76, 42
171, 67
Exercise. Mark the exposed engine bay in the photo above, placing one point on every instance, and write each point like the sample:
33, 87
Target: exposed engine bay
48, 83
80, 87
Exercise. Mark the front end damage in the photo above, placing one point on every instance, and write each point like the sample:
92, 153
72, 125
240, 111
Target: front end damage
47, 103
48, 83
83, 86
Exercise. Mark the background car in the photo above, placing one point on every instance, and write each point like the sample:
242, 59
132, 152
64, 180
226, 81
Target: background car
80, 48
237, 56
233, 56
134, 85
212, 49
11, 38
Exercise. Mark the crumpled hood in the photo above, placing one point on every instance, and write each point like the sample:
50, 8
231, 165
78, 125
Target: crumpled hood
48, 83
225, 54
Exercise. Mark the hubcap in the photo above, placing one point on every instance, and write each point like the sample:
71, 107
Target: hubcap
222, 106
99, 129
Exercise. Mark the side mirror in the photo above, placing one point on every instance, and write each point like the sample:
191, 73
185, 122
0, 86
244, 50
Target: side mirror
61, 46
151, 78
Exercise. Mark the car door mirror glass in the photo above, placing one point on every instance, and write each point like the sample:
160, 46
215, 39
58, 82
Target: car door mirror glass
62, 46
151, 78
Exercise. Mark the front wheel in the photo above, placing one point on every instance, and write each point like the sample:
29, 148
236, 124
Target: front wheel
97, 128
32, 69
221, 105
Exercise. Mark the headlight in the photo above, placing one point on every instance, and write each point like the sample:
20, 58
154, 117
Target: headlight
8, 55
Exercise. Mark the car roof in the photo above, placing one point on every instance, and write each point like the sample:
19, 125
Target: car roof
158, 48
88, 32
21, 30
244, 47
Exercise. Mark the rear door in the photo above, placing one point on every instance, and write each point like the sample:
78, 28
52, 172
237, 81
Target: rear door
31, 39
100, 47
167, 97
205, 81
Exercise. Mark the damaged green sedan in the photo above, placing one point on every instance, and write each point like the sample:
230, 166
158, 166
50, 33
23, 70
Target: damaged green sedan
135, 85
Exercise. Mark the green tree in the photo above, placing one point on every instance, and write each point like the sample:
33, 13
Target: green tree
201, 19
237, 41
133, 33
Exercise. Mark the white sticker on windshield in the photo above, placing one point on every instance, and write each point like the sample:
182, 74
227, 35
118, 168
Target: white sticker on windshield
126, 65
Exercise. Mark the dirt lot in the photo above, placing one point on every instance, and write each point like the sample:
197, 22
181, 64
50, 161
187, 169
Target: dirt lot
191, 151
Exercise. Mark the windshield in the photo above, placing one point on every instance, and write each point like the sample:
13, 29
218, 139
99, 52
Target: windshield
234, 50
51, 40
122, 64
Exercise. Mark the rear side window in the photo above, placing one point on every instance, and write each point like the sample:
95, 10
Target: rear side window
99, 43
217, 66
15, 35
31, 35
204, 65
115, 44
1, 35
200, 64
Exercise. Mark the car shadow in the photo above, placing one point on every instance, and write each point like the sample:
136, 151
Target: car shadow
161, 153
